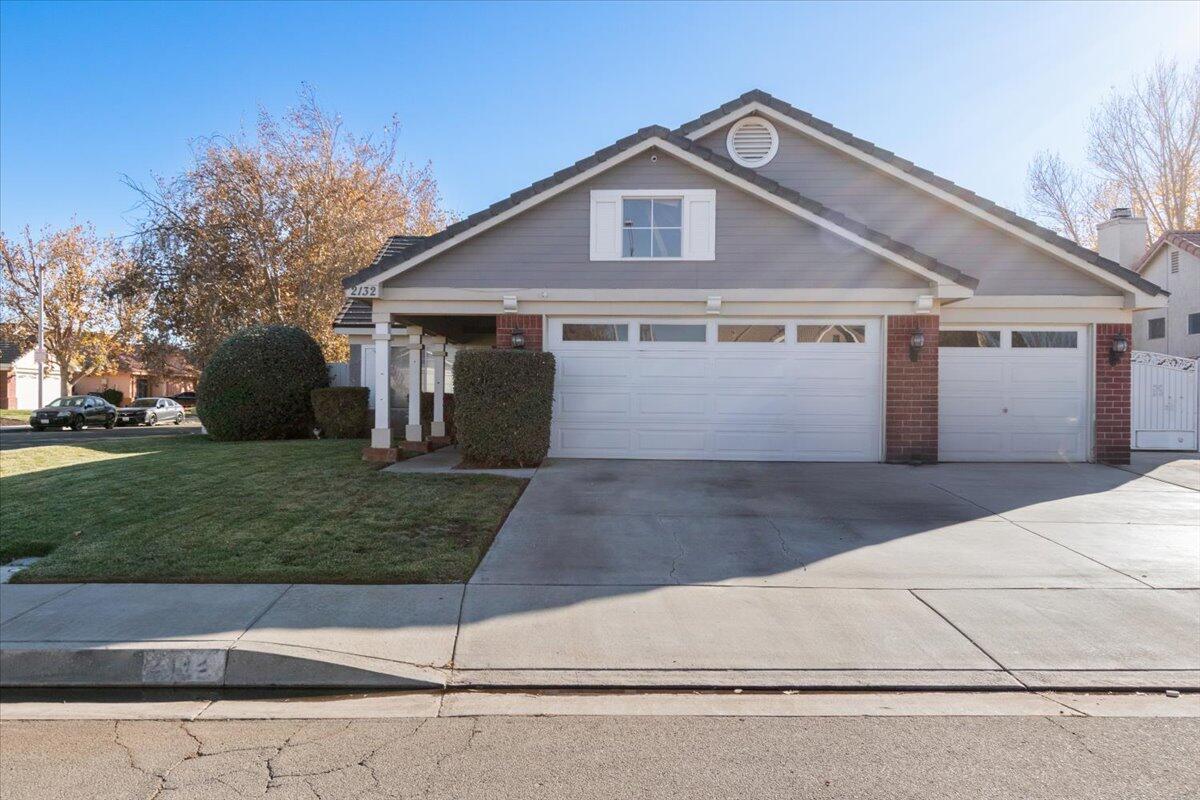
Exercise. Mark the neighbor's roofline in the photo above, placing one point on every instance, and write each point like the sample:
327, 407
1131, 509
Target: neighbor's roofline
946, 190
1175, 237
899, 253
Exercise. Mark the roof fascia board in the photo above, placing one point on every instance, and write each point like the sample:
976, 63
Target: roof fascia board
697, 162
757, 107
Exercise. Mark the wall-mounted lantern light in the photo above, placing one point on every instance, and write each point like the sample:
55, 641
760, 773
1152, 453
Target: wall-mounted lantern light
518, 339
915, 344
1119, 345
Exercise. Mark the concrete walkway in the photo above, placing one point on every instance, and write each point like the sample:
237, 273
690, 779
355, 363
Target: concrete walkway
632, 574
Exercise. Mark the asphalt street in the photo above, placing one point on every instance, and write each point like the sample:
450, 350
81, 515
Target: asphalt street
15, 438
605, 757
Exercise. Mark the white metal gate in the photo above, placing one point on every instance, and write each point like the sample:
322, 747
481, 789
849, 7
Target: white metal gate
1165, 413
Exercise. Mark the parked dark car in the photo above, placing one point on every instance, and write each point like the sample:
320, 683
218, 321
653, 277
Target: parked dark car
150, 411
75, 412
185, 399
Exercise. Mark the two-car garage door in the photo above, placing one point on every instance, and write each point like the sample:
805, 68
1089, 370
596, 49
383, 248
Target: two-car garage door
782, 390
807, 390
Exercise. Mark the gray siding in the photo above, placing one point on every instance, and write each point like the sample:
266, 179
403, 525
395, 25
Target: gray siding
757, 246
1004, 264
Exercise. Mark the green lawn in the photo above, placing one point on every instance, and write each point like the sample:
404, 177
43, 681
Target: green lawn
15, 415
189, 509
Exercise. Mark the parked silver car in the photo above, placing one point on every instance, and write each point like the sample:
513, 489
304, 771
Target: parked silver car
151, 411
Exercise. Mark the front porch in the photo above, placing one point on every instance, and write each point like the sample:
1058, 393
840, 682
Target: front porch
424, 367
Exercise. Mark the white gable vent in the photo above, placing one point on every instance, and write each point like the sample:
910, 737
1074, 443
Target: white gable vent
752, 141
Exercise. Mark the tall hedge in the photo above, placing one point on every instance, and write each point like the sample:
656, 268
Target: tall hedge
502, 406
258, 384
341, 412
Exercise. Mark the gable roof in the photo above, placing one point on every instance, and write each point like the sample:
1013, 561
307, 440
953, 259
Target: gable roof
387, 263
1187, 241
921, 174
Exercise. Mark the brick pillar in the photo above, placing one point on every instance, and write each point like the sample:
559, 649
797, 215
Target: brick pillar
911, 423
531, 324
1112, 396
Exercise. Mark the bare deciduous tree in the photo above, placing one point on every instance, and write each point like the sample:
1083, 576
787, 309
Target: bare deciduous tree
88, 325
263, 229
1143, 152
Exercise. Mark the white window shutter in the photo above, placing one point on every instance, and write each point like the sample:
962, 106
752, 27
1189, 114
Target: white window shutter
700, 225
606, 226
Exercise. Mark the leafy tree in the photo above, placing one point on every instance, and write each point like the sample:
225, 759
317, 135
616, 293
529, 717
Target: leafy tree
88, 323
261, 229
1143, 152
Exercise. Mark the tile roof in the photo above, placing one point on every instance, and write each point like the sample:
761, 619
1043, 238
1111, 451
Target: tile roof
1187, 241
10, 351
925, 175
384, 262
354, 314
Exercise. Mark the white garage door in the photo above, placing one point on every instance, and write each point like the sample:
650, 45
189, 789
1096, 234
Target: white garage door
781, 390
1013, 394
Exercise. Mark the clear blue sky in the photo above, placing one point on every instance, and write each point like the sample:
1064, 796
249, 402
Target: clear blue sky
496, 96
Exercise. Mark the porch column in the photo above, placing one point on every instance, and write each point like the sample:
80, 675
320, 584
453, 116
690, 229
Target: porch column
381, 434
437, 353
413, 432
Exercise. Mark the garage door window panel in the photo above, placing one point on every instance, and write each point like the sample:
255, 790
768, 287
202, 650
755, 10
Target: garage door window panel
751, 334
831, 334
969, 339
673, 332
1056, 340
594, 332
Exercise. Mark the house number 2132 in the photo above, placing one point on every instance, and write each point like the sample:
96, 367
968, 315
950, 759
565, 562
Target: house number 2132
368, 290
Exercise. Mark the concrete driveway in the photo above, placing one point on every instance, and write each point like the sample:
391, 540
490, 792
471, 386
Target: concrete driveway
676, 573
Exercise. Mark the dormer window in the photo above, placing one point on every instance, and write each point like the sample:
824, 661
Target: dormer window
652, 228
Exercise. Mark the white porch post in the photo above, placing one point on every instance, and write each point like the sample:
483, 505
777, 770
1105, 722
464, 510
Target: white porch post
381, 434
437, 353
413, 432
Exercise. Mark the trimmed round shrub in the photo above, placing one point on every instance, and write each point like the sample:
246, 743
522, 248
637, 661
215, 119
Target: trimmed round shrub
114, 396
341, 411
258, 385
503, 400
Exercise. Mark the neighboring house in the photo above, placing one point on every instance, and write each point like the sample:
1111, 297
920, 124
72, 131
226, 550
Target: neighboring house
758, 284
1172, 262
19, 377
135, 378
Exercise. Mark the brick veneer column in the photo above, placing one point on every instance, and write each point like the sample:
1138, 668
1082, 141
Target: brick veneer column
911, 422
531, 324
1112, 396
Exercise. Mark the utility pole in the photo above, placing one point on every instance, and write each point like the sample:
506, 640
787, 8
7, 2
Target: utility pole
40, 355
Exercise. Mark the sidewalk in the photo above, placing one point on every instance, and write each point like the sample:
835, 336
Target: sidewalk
406, 637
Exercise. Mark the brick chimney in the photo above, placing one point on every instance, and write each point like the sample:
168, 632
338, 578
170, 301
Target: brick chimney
1123, 237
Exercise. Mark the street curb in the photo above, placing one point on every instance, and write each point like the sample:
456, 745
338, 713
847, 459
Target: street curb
201, 665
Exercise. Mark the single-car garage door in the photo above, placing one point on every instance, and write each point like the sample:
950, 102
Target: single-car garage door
782, 390
1013, 394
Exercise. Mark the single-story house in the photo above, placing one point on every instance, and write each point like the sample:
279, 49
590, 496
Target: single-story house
1173, 262
136, 376
757, 284
19, 377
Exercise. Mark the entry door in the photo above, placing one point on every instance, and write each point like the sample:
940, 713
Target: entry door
728, 389
1016, 393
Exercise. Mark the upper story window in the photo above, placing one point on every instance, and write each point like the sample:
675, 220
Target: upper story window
1194, 323
652, 227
